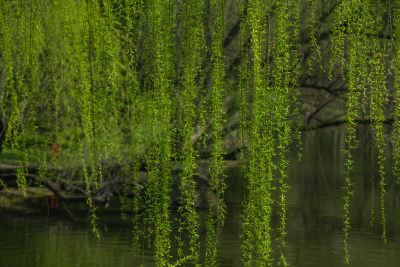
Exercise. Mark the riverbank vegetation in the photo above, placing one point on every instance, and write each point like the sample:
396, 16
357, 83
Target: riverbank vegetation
106, 97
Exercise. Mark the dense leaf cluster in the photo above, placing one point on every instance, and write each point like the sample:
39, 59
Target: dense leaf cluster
155, 84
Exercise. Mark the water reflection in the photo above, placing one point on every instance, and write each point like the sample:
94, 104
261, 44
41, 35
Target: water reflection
314, 225
316, 206
57, 240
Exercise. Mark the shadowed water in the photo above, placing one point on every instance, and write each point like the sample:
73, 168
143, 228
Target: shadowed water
62, 238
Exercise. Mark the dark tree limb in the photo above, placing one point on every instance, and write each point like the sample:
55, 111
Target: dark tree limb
387, 121
317, 110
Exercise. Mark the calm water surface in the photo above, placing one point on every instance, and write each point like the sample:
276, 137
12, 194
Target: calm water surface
63, 238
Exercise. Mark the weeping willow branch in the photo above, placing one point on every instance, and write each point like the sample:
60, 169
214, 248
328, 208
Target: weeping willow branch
153, 84
396, 69
216, 215
193, 41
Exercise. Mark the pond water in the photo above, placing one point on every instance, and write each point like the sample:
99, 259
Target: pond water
45, 237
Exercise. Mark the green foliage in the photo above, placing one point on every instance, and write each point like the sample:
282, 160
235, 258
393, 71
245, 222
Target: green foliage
143, 83
342, 14
161, 20
313, 6
216, 215
396, 71
343, 17
257, 210
193, 41
356, 29
133, 9
378, 102
270, 131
